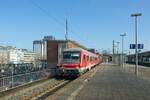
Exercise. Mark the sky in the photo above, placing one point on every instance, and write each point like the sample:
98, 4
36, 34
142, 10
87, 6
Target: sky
93, 23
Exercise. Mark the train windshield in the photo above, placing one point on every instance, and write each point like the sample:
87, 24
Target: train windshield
71, 57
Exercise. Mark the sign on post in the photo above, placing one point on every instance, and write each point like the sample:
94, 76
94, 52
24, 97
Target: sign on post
140, 46
133, 46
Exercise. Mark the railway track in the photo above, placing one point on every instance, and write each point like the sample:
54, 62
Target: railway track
59, 84
43, 89
53, 89
70, 90
38, 91
21, 87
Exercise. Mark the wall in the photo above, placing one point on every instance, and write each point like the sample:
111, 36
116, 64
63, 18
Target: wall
52, 53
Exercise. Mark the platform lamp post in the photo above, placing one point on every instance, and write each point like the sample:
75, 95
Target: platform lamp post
122, 35
136, 40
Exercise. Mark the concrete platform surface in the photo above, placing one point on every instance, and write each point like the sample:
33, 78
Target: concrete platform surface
114, 83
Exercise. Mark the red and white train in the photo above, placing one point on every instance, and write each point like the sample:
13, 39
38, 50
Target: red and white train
77, 61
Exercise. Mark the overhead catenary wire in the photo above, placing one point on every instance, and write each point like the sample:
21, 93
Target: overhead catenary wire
47, 13
61, 23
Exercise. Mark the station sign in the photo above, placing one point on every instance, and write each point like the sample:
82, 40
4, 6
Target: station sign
140, 46
133, 46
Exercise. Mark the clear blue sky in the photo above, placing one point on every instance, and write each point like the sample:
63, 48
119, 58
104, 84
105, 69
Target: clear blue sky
93, 23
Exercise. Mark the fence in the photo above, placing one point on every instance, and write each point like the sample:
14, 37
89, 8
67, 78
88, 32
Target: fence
20, 79
12, 75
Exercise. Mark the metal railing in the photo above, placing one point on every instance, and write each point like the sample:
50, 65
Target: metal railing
21, 79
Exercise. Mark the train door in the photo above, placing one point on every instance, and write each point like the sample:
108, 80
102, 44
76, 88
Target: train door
86, 66
84, 61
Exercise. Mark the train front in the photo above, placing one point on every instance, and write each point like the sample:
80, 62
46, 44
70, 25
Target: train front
70, 65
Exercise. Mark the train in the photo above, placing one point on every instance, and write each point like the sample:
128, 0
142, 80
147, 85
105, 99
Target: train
76, 61
143, 59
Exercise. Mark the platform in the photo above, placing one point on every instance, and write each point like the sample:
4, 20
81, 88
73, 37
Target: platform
115, 83
109, 82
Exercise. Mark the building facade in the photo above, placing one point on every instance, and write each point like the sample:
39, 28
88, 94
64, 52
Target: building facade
4, 57
40, 47
12, 55
4, 53
29, 57
16, 56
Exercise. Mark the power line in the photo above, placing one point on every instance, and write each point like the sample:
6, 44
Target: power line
55, 19
48, 14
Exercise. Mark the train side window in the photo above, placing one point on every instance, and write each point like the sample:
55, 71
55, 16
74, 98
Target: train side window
84, 57
90, 58
95, 58
87, 58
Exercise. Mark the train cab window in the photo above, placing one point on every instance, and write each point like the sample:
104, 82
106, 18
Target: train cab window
75, 56
66, 55
69, 57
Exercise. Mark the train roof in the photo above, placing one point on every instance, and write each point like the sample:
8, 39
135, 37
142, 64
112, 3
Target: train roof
73, 49
146, 53
79, 49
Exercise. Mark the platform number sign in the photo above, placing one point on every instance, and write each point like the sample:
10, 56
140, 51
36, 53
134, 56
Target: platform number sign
133, 46
140, 46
